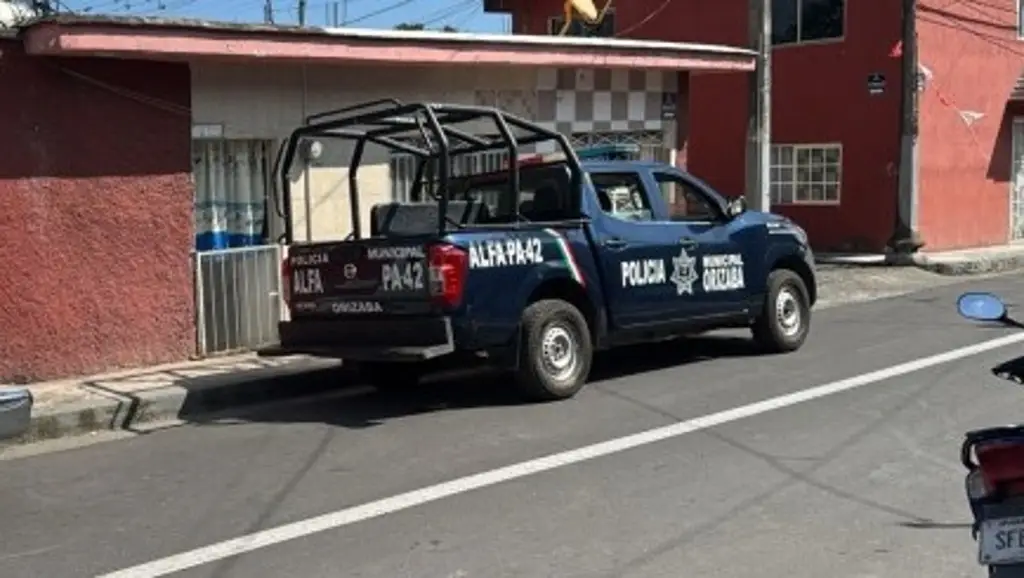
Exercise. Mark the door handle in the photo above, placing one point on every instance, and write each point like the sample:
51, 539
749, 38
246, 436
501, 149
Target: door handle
615, 243
688, 243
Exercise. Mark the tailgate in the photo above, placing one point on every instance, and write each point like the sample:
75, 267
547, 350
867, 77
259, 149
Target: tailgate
366, 277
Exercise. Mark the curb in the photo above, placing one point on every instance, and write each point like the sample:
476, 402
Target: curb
114, 411
852, 260
975, 265
947, 265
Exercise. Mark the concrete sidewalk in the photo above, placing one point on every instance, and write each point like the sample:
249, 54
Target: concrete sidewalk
972, 261
954, 263
164, 395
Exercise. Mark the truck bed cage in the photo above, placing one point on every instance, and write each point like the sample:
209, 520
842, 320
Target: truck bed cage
425, 130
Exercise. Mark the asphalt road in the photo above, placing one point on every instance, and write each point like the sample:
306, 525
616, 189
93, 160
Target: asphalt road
859, 483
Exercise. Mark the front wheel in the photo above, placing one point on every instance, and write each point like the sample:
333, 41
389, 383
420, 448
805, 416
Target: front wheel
556, 351
785, 319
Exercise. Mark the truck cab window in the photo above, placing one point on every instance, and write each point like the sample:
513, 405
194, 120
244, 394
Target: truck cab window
684, 201
544, 194
622, 196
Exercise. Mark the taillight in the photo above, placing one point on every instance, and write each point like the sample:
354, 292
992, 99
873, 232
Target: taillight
449, 266
1001, 463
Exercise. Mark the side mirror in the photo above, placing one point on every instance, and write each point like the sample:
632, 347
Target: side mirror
736, 207
15, 411
981, 307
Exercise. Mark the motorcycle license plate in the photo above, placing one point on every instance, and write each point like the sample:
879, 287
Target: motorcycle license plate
1001, 541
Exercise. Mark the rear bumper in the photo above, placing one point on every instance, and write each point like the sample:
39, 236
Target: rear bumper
397, 339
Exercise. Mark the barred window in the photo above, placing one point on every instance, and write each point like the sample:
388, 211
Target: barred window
806, 174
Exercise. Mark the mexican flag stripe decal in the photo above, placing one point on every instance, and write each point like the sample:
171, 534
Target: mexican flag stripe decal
570, 260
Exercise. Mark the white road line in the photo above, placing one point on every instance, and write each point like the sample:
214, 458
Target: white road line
353, 515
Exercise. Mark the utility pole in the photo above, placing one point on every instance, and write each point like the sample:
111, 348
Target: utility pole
759, 108
905, 238
302, 12
268, 11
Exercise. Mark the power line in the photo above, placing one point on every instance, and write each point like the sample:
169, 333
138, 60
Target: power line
322, 4
135, 6
645, 20
448, 12
101, 7
473, 12
463, 10
163, 6
384, 10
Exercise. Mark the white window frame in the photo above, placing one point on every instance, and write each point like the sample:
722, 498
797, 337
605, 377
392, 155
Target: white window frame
795, 184
555, 24
1016, 145
800, 27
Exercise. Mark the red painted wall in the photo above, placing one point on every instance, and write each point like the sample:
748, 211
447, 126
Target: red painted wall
972, 51
531, 16
819, 95
96, 226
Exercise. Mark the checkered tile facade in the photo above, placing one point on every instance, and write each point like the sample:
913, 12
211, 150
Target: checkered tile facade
601, 100
590, 101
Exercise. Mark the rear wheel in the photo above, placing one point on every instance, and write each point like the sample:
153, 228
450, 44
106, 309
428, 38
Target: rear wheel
390, 376
786, 318
556, 352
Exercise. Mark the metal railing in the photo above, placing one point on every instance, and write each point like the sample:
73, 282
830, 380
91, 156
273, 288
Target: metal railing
651, 142
238, 299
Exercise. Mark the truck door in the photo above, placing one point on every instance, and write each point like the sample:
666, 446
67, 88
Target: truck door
635, 252
725, 260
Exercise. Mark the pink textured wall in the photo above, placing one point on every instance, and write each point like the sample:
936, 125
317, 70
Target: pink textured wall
96, 225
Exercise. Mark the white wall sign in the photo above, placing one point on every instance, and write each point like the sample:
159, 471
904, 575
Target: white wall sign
208, 130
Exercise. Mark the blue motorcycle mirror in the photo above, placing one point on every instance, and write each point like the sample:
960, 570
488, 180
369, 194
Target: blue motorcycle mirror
981, 306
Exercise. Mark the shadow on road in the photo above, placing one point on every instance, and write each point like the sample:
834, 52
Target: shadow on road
353, 407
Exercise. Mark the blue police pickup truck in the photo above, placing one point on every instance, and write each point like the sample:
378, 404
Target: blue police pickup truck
532, 268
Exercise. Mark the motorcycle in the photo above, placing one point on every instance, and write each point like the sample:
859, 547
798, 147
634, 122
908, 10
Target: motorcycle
994, 458
15, 411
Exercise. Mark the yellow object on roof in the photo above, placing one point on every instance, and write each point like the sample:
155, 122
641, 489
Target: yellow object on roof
586, 8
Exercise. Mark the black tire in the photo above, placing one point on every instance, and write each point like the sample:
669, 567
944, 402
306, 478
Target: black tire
785, 319
562, 324
390, 376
